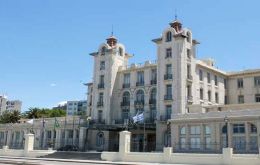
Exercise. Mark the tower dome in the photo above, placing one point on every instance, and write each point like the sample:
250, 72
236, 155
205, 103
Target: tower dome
112, 40
176, 24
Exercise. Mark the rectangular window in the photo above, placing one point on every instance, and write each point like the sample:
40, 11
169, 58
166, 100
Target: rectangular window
154, 74
49, 134
195, 130
168, 111
195, 143
208, 142
127, 78
226, 100
168, 90
102, 65
201, 94
216, 80
188, 54
183, 142
238, 128
101, 97
241, 99
209, 96
140, 77
168, 53
216, 98
257, 81
208, 78
188, 71
201, 75
207, 130
101, 79
169, 69
100, 115
70, 134
240, 83
257, 98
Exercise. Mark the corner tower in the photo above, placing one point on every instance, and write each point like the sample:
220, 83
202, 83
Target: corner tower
110, 56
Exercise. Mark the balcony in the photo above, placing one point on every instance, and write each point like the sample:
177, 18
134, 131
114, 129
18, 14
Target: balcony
126, 85
100, 104
101, 86
153, 82
125, 103
97, 121
189, 77
190, 99
168, 77
139, 83
165, 117
167, 97
139, 104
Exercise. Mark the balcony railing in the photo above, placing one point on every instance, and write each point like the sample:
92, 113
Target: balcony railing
100, 104
101, 86
153, 82
189, 77
168, 77
168, 97
139, 104
139, 83
126, 85
125, 103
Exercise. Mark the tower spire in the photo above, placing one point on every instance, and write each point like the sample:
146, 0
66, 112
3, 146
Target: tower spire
112, 32
175, 14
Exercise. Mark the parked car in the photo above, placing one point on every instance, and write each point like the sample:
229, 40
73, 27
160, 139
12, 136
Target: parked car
69, 148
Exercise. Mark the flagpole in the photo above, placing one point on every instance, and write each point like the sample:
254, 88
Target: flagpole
144, 134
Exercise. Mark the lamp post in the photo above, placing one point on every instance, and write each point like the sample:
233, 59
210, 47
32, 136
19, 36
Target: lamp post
168, 133
226, 123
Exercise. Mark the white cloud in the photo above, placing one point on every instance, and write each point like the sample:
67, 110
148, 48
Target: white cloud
53, 85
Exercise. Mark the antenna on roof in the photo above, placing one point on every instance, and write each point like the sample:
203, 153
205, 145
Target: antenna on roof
112, 32
175, 14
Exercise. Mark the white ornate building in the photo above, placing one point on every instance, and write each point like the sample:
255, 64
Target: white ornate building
178, 91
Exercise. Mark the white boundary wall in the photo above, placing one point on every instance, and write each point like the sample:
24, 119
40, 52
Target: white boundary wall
27, 151
167, 156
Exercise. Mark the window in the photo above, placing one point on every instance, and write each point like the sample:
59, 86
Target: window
188, 54
140, 96
189, 71
209, 96
169, 90
257, 98
102, 65
168, 36
208, 142
126, 98
195, 130
238, 128
169, 69
103, 50
216, 80
201, 94
195, 143
168, 111
154, 74
201, 75
240, 83
140, 78
100, 139
126, 80
257, 81
101, 97
188, 37
224, 129
183, 130
168, 53
207, 130
49, 134
253, 128
241, 99
120, 51
100, 116
216, 98
208, 78
226, 100
183, 142
153, 94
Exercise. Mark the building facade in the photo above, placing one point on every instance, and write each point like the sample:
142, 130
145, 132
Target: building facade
9, 105
76, 107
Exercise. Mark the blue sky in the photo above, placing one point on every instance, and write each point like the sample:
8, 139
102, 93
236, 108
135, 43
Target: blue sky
45, 44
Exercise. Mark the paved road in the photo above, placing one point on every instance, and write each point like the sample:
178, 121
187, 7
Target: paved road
37, 161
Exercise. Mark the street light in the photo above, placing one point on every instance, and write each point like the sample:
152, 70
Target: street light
226, 122
168, 132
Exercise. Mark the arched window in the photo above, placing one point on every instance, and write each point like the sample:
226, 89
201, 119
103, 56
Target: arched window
120, 51
126, 97
168, 36
188, 37
103, 50
100, 139
140, 96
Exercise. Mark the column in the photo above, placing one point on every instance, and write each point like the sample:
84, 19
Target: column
247, 137
175, 136
218, 136
258, 133
82, 132
230, 135
29, 142
124, 142
187, 140
58, 139
202, 137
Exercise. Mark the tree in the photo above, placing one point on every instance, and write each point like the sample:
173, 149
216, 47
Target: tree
10, 117
43, 112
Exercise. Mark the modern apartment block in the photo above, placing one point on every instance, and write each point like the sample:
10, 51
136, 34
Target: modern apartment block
9, 105
76, 107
